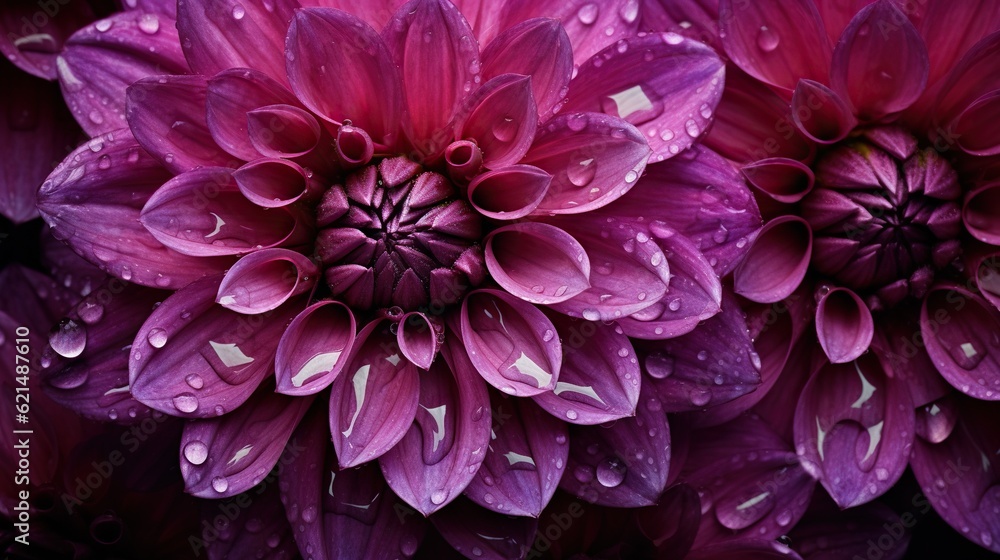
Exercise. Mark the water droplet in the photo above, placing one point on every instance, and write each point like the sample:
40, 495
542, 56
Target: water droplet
881, 474
784, 518
157, 337
547, 335
69, 338
583, 474
700, 397
90, 312
196, 452
195, 381
631, 176
186, 402
239, 12
587, 14
674, 304
659, 365
309, 514
96, 145
476, 551
112, 414
702, 356
438, 497
767, 39
274, 540
505, 129
572, 415
611, 472
630, 11
220, 484
104, 25
591, 315
149, 24
691, 128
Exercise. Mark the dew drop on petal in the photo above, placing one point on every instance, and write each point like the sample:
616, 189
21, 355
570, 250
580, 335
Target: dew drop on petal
196, 452
69, 338
438, 497
767, 39
195, 381
587, 14
220, 484
186, 402
157, 337
149, 24
611, 472
238, 12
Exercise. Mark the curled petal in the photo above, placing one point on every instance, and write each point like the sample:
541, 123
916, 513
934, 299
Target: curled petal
264, 280
936, 421
958, 328
501, 118
537, 262
900, 349
982, 207
274, 182
464, 159
231, 95
374, 401
593, 159
510, 342
419, 339
538, 48
466, 526
354, 146
671, 525
314, 348
974, 76
283, 131
509, 193
195, 359
820, 113
225, 456
970, 130
776, 262
844, 325
784, 180
33, 47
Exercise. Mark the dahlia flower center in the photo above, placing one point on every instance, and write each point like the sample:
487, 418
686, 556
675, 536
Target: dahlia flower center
883, 213
395, 235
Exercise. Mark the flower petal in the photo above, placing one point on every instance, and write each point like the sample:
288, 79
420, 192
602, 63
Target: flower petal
225, 456
466, 526
509, 193
337, 66
972, 134
93, 200
449, 434
275, 182
373, 403
314, 348
537, 262
593, 26
419, 338
231, 95
828, 532
744, 549
876, 44
974, 76
261, 525
31, 36
264, 280
671, 524
501, 118
976, 20
673, 107
510, 342
958, 327
538, 48
593, 159
900, 349
844, 325
820, 113
776, 262
195, 359
785, 180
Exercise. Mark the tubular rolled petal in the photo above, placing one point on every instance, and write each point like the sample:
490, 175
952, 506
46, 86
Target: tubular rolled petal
231, 95
314, 348
264, 280
273, 183
844, 325
776, 262
464, 160
784, 180
501, 118
820, 113
980, 213
419, 339
509, 193
537, 262
354, 147
283, 131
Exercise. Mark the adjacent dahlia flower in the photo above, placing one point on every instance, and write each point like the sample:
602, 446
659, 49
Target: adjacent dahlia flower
869, 140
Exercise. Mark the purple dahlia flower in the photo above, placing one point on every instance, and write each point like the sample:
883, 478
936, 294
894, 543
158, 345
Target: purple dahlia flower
867, 137
422, 230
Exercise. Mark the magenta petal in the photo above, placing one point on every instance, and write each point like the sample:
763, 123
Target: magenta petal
866, 64
774, 41
228, 34
974, 76
538, 48
958, 328
93, 200
844, 325
900, 347
31, 35
283, 131
442, 450
827, 532
225, 456
525, 459
101, 60
484, 534
264, 280
195, 359
980, 213
510, 342
784, 180
672, 108
274, 182
259, 525
509, 193
599, 379
339, 81
314, 348
373, 402
436, 74
592, 27
202, 213
671, 525
854, 430
820, 113
623, 464
419, 339
537, 262
971, 128
593, 159
167, 118
776, 262
231, 95
937, 420
501, 118
711, 365
959, 476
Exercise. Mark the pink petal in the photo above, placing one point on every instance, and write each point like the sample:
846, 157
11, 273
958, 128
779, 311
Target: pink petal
776, 42
696, 19
101, 60
231, 95
937, 28
202, 213
538, 48
437, 74
510, 342
283, 131
264, 280
93, 200
167, 117
537, 262
593, 159
971, 128
672, 108
844, 325
877, 43
275, 182
225, 456
32, 35
464, 160
784, 180
957, 327
354, 146
599, 378
854, 430
820, 113
230, 34
195, 359
776, 262
501, 117
314, 348
449, 435
419, 338
593, 27
466, 526
509, 193
340, 81
372, 405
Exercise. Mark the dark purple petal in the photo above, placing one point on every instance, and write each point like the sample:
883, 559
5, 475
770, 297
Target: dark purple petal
101, 60
776, 262
264, 280
901, 350
478, 533
225, 456
958, 328
511, 343
536, 262
980, 213
167, 118
672, 108
599, 378
449, 435
227, 34
273, 183
509, 193
671, 525
971, 130
260, 526
526, 457
284, 131
785, 180
93, 200
538, 48
373, 402
338, 66
314, 348
744, 549
876, 44
501, 118
828, 533
195, 359
844, 325
419, 338
231, 95
624, 464
32, 36
820, 113
854, 430
593, 159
